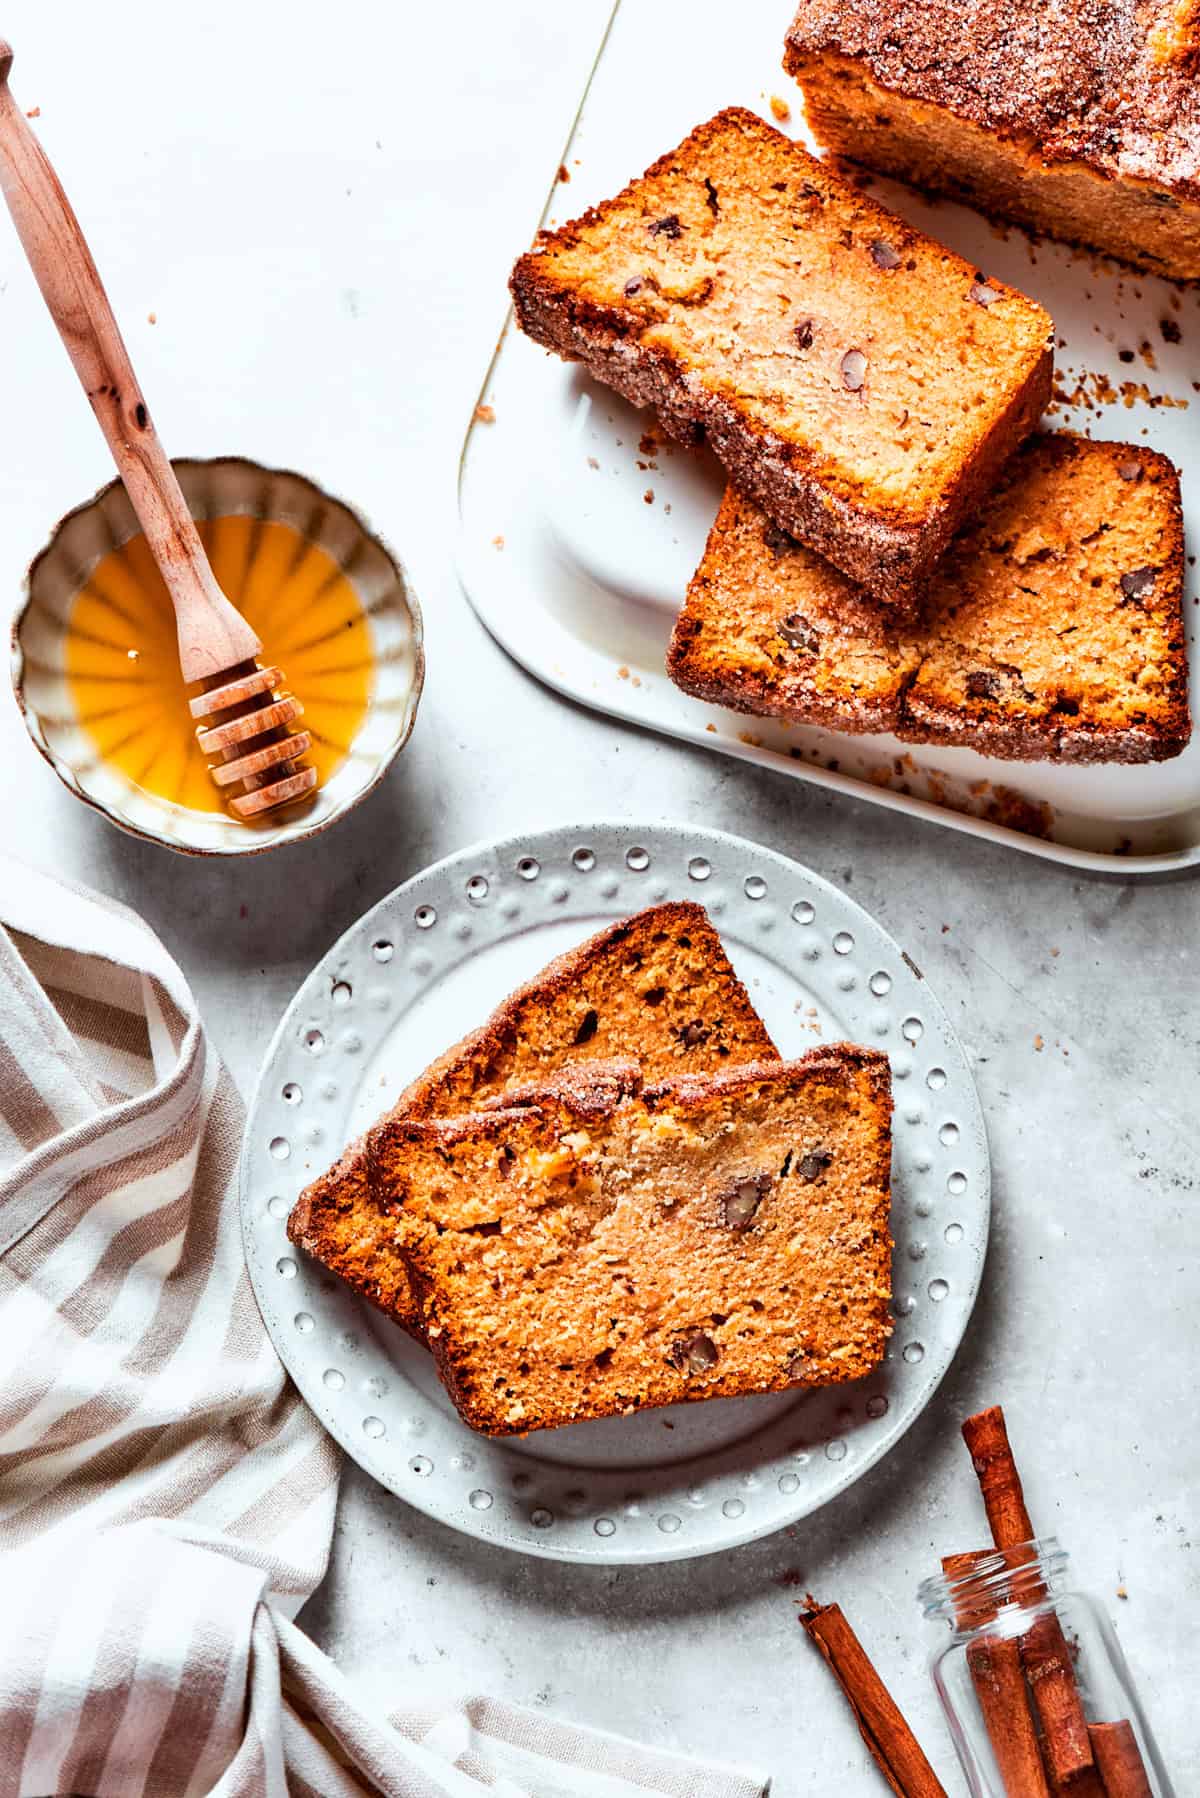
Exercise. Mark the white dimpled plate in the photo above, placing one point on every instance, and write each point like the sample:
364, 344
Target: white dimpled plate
428, 964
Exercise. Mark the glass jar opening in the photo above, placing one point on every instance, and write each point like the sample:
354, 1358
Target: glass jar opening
973, 1589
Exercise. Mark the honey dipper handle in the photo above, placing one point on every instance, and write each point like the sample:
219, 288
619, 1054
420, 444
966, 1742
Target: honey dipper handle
213, 636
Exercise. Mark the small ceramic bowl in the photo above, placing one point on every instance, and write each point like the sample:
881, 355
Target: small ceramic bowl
224, 488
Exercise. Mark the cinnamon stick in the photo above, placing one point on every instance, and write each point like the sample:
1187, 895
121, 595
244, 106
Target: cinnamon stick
1120, 1761
1050, 1671
1044, 1652
986, 1437
881, 1725
994, 1663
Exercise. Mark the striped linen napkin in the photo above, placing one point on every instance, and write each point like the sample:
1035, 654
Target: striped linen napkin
166, 1498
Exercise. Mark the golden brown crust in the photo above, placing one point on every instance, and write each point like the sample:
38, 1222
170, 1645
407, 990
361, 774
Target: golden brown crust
753, 298
1054, 627
707, 1237
1078, 117
657, 986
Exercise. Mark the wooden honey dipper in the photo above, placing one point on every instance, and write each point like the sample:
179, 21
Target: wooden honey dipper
252, 756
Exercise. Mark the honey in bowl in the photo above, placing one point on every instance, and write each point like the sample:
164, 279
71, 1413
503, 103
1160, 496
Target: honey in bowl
122, 658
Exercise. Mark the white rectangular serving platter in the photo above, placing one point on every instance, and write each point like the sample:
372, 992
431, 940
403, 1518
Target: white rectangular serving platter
580, 526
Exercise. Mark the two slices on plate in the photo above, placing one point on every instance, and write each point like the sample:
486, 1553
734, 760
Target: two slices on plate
616, 1195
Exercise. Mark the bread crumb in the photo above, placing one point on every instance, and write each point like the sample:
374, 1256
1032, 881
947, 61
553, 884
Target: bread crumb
35, 112
648, 496
497, 543
1121, 1592
1056, 951
592, 462
622, 674
564, 173
636, 681
712, 728
1039, 1043
780, 109
152, 318
486, 415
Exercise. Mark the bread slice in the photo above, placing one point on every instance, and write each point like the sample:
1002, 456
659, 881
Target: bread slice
657, 987
609, 1249
1079, 120
1054, 627
862, 383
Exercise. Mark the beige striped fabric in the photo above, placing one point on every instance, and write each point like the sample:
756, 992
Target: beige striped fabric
166, 1499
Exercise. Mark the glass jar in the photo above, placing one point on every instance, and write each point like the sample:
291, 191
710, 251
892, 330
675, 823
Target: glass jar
1013, 1643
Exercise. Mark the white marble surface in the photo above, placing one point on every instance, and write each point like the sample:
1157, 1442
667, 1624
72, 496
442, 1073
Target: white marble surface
321, 208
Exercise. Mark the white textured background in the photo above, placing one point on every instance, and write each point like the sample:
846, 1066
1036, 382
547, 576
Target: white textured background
320, 204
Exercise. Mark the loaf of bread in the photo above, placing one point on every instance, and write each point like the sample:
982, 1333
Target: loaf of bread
611, 1247
1080, 118
862, 383
1053, 628
657, 987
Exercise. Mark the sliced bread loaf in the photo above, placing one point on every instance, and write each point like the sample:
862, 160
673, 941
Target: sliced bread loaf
860, 381
1076, 117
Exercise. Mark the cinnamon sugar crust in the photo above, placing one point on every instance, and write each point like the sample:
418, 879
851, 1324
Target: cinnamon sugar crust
703, 1237
1053, 629
857, 379
1079, 117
